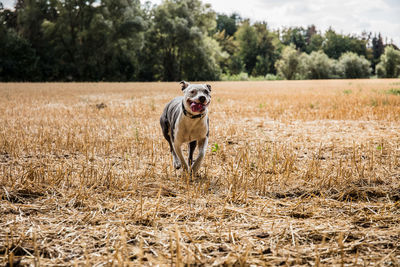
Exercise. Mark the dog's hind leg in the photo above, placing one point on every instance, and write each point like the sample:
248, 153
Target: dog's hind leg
165, 129
192, 147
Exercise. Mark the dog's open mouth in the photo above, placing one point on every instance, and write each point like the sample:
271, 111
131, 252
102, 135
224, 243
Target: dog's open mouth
197, 107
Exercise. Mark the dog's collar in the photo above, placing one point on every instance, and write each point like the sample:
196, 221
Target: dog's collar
190, 115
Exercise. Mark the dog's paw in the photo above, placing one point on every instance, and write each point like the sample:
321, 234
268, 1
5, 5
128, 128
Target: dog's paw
177, 164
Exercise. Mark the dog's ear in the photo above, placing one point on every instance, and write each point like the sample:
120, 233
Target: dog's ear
184, 85
209, 87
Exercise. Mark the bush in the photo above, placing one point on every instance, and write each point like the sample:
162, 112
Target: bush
354, 66
272, 77
318, 65
257, 78
243, 76
288, 66
389, 67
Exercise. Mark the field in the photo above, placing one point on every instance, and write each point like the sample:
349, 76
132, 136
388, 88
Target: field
296, 173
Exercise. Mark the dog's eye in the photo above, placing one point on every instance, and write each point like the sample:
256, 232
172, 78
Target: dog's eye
206, 92
192, 92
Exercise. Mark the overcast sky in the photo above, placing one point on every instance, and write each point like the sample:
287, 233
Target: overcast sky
345, 16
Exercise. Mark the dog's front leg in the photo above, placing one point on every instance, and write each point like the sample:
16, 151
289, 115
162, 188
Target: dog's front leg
178, 151
202, 151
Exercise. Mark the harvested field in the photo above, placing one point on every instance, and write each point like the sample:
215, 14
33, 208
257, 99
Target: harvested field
296, 173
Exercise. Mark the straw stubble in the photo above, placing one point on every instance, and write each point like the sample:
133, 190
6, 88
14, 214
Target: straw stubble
296, 173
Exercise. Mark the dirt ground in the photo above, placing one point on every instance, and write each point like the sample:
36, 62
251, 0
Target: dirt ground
296, 173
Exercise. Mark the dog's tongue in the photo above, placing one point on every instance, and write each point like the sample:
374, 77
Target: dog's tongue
196, 107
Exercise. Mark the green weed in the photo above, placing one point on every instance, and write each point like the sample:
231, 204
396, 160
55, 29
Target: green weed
394, 91
347, 92
215, 147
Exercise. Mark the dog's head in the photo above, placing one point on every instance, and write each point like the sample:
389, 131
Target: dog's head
197, 97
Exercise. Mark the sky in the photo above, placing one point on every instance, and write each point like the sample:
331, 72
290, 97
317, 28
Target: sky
345, 16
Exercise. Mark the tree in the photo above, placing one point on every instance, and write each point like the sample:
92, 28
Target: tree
30, 15
337, 44
315, 43
377, 50
8, 17
288, 66
266, 56
96, 42
230, 63
18, 59
296, 36
354, 66
389, 67
122, 40
310, 32
176, 44
228, 24
246, 37
317, 65
125, 38
66, 36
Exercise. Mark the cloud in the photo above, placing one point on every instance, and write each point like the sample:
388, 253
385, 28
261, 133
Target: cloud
8, 3
346, 16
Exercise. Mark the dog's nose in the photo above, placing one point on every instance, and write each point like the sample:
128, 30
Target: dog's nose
202, 99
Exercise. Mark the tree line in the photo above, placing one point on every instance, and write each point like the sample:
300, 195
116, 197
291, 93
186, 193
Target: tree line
122, 40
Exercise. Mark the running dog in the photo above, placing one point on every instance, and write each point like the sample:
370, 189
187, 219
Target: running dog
185, 120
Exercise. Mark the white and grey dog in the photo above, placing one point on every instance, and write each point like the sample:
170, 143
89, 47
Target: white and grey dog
185, 120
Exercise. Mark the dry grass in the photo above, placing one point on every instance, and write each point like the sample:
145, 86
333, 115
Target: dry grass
297, 173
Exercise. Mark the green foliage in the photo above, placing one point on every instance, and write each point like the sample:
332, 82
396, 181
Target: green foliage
227, 24
354, 66
122, 40
230, 62
315, 43
246, 37
177, 42
394, 91
17, 58
266, 54
317, 65
335, 44
295, 36
257, 78
243, 76
389, 67
378, 49
289, 66
215, 148
272, 77
256, 49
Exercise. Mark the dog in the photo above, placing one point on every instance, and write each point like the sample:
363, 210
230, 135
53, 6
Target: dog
185, 120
